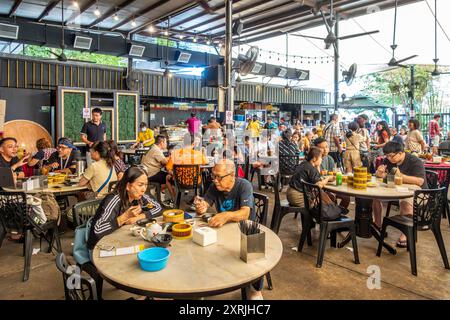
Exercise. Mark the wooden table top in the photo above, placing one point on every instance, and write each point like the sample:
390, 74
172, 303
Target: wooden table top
379, 192
192, 270
56, 189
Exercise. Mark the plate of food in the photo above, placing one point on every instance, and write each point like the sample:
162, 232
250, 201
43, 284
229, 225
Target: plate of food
372, 184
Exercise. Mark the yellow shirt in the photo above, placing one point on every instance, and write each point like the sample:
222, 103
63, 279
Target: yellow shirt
319, 131
147, 135
255, 128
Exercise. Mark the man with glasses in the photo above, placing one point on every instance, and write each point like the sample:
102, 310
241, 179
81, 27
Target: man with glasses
412, 171
233, 199
63, 160
9, 159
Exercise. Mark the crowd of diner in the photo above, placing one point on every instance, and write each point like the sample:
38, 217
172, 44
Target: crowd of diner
328, 147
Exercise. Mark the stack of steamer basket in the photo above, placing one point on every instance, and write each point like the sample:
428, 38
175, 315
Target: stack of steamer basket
360, 178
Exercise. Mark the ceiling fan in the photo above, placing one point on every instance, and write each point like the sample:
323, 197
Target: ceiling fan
394, 62
331, 39
436, 72
62, 56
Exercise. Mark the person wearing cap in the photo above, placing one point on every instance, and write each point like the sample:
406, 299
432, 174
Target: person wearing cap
63, 160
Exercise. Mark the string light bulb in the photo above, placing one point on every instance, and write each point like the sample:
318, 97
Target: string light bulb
133, 23
97, 12
208, 42
116, 18
75, 4
195, 39
151, 29
166, 33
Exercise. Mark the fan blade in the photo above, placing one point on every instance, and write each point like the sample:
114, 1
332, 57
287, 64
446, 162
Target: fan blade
305, 36
402, 65
403, 60
358, 35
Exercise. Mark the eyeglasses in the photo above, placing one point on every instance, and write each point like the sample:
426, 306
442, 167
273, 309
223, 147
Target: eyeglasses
219, 178
391, 155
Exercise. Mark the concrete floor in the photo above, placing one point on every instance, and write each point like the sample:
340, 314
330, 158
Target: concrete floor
295, 277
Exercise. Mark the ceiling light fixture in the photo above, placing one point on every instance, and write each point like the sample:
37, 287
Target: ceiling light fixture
151, 29
116, 18
97, 12
133, 23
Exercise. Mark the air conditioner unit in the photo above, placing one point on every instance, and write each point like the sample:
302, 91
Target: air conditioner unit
281, 72
182, 56
257, 68
9, 31
136, 50
303, 75
83, 43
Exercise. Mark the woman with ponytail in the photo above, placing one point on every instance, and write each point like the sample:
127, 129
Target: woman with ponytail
101, 172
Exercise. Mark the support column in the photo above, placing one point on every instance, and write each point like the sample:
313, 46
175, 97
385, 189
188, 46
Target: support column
229, 103
336, 64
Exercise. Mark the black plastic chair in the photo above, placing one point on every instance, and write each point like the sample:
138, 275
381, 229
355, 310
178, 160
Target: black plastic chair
14, 217
76, 285
186, 178
312, 214
157, 187
444, 152
432, 182
261, 210
84, 210
112, 186
428, 208
281, 207
288, 164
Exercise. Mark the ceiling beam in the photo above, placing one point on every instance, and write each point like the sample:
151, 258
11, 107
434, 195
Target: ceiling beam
140, 13
281, 15
179, 10
222, 16
82, 10
201, 14
14, 7
47, 9
110, 12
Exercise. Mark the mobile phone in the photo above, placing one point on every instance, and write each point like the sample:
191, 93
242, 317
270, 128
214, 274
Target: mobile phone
134, 203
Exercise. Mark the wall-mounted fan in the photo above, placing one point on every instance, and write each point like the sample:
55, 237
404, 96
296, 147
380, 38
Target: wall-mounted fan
394, 62
246, 62
331, 39
350, 74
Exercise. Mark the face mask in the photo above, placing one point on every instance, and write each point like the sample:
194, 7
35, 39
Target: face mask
144, 129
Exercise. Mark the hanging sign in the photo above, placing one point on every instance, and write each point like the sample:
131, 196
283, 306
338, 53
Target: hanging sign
86, 113
228, 117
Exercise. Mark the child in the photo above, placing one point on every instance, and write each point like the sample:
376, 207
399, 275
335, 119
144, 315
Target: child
352, 157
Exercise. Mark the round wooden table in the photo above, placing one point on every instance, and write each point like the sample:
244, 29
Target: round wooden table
192, 270
55, 189
365, 227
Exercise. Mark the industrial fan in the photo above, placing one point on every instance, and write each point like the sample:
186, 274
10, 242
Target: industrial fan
350, 74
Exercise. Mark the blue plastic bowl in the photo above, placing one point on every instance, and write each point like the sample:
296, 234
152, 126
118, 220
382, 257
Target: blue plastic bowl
153, 259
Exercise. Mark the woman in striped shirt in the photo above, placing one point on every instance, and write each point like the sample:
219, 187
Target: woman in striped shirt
123, 207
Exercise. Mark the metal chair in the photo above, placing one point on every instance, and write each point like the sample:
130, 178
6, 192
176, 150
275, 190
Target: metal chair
428, 207
313, 203
281, 207
84, 210
186, 178
14, 217
76, 285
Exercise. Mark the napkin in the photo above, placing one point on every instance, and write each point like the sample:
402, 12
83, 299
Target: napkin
402, 189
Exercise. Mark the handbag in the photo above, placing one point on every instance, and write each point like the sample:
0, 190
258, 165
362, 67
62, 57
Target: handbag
330, 210
80, 249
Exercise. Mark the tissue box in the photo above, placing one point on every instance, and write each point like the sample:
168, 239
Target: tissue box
204, 236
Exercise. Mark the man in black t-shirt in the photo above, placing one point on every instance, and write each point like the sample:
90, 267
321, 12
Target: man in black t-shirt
93, 131
412, 171
8, 156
